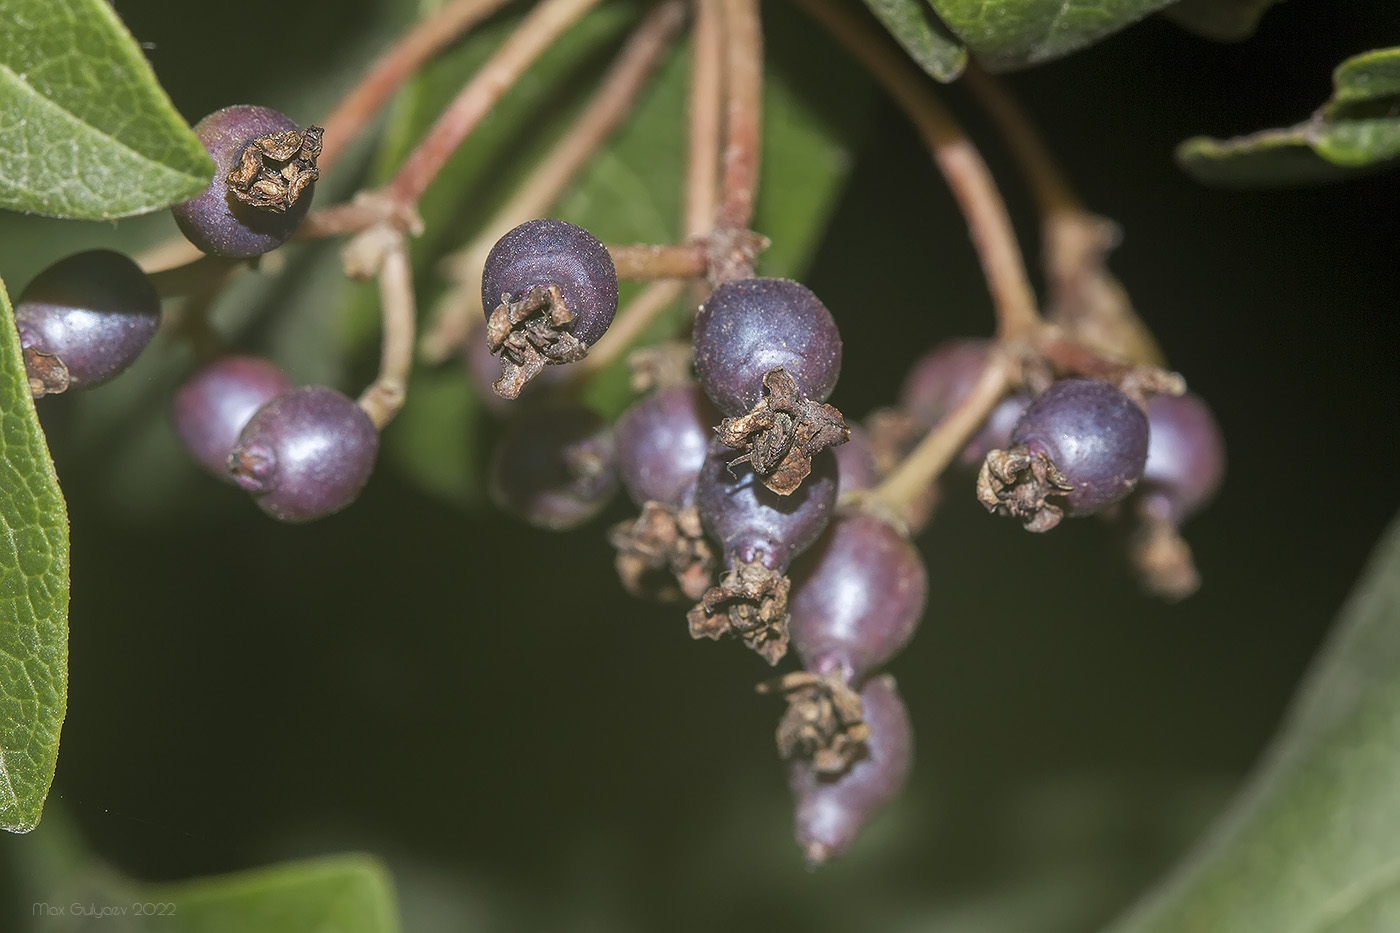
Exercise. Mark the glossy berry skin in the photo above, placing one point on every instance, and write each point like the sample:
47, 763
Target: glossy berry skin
857, 597
1093, 433
1185, 456
749, 327
753, 522
554, 252
96, 311
211, 409
305, 454
831, 811
216, 221
661, 444
556, 468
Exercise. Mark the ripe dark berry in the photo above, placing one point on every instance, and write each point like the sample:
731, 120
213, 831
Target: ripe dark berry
305, 454
1081, 441
264, 179
942, 378
832, 810
858, 596
549, 291
211, 409
749, 327
556, 468
755, 524
661, 444
1185, 456
84, 319
760, 532
855, 462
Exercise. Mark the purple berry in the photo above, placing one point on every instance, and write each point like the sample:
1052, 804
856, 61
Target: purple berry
855, 462
995, 433
94, 311
1185, 456
1093, 433
832, 810
755, 524
1081, 442
661, 444
211, 409
942, 378
554, 252
239, 222
857, 597
750, 327
556, 468
305, 454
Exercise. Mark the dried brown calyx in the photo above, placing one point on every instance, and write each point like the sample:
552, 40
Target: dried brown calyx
663, 553
660, 365
1163, 559
783, 432
274, 169
530, 334
1016, 482
750, 602
47, 373
824, 723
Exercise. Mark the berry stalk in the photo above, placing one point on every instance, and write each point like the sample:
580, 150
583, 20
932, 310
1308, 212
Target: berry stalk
967, 175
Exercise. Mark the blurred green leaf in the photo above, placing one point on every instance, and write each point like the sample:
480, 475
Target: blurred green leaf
1356, 131
88, 132
629, 192
33, 596
1016, 33
339, 894
1221, 20
927, 40
1313, 841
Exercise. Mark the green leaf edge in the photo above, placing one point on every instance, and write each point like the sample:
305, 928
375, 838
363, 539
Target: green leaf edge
916, 27
185, 182
24, 814
1328, 147
1331, 699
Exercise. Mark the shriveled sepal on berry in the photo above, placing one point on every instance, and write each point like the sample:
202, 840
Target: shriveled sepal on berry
530, 334
1163, 559
1017, 483
46, 372
751, 603
824, 722
664, 554
783, 432
275, 168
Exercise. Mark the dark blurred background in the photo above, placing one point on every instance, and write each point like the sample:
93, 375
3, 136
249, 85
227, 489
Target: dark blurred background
530, 749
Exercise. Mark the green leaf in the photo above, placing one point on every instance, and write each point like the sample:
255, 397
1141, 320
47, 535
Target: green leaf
1221, 20
1015, 33
339, 894
629, 192
1356, 131
33, 596
1312, 843
88, 131
923, 36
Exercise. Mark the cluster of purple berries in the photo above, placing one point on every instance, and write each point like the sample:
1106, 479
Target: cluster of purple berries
302, 453
737, 472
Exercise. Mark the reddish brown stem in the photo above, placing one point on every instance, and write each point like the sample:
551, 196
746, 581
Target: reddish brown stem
705, 118
397, 64
544, 24
743, 111
972, 184
647, 261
